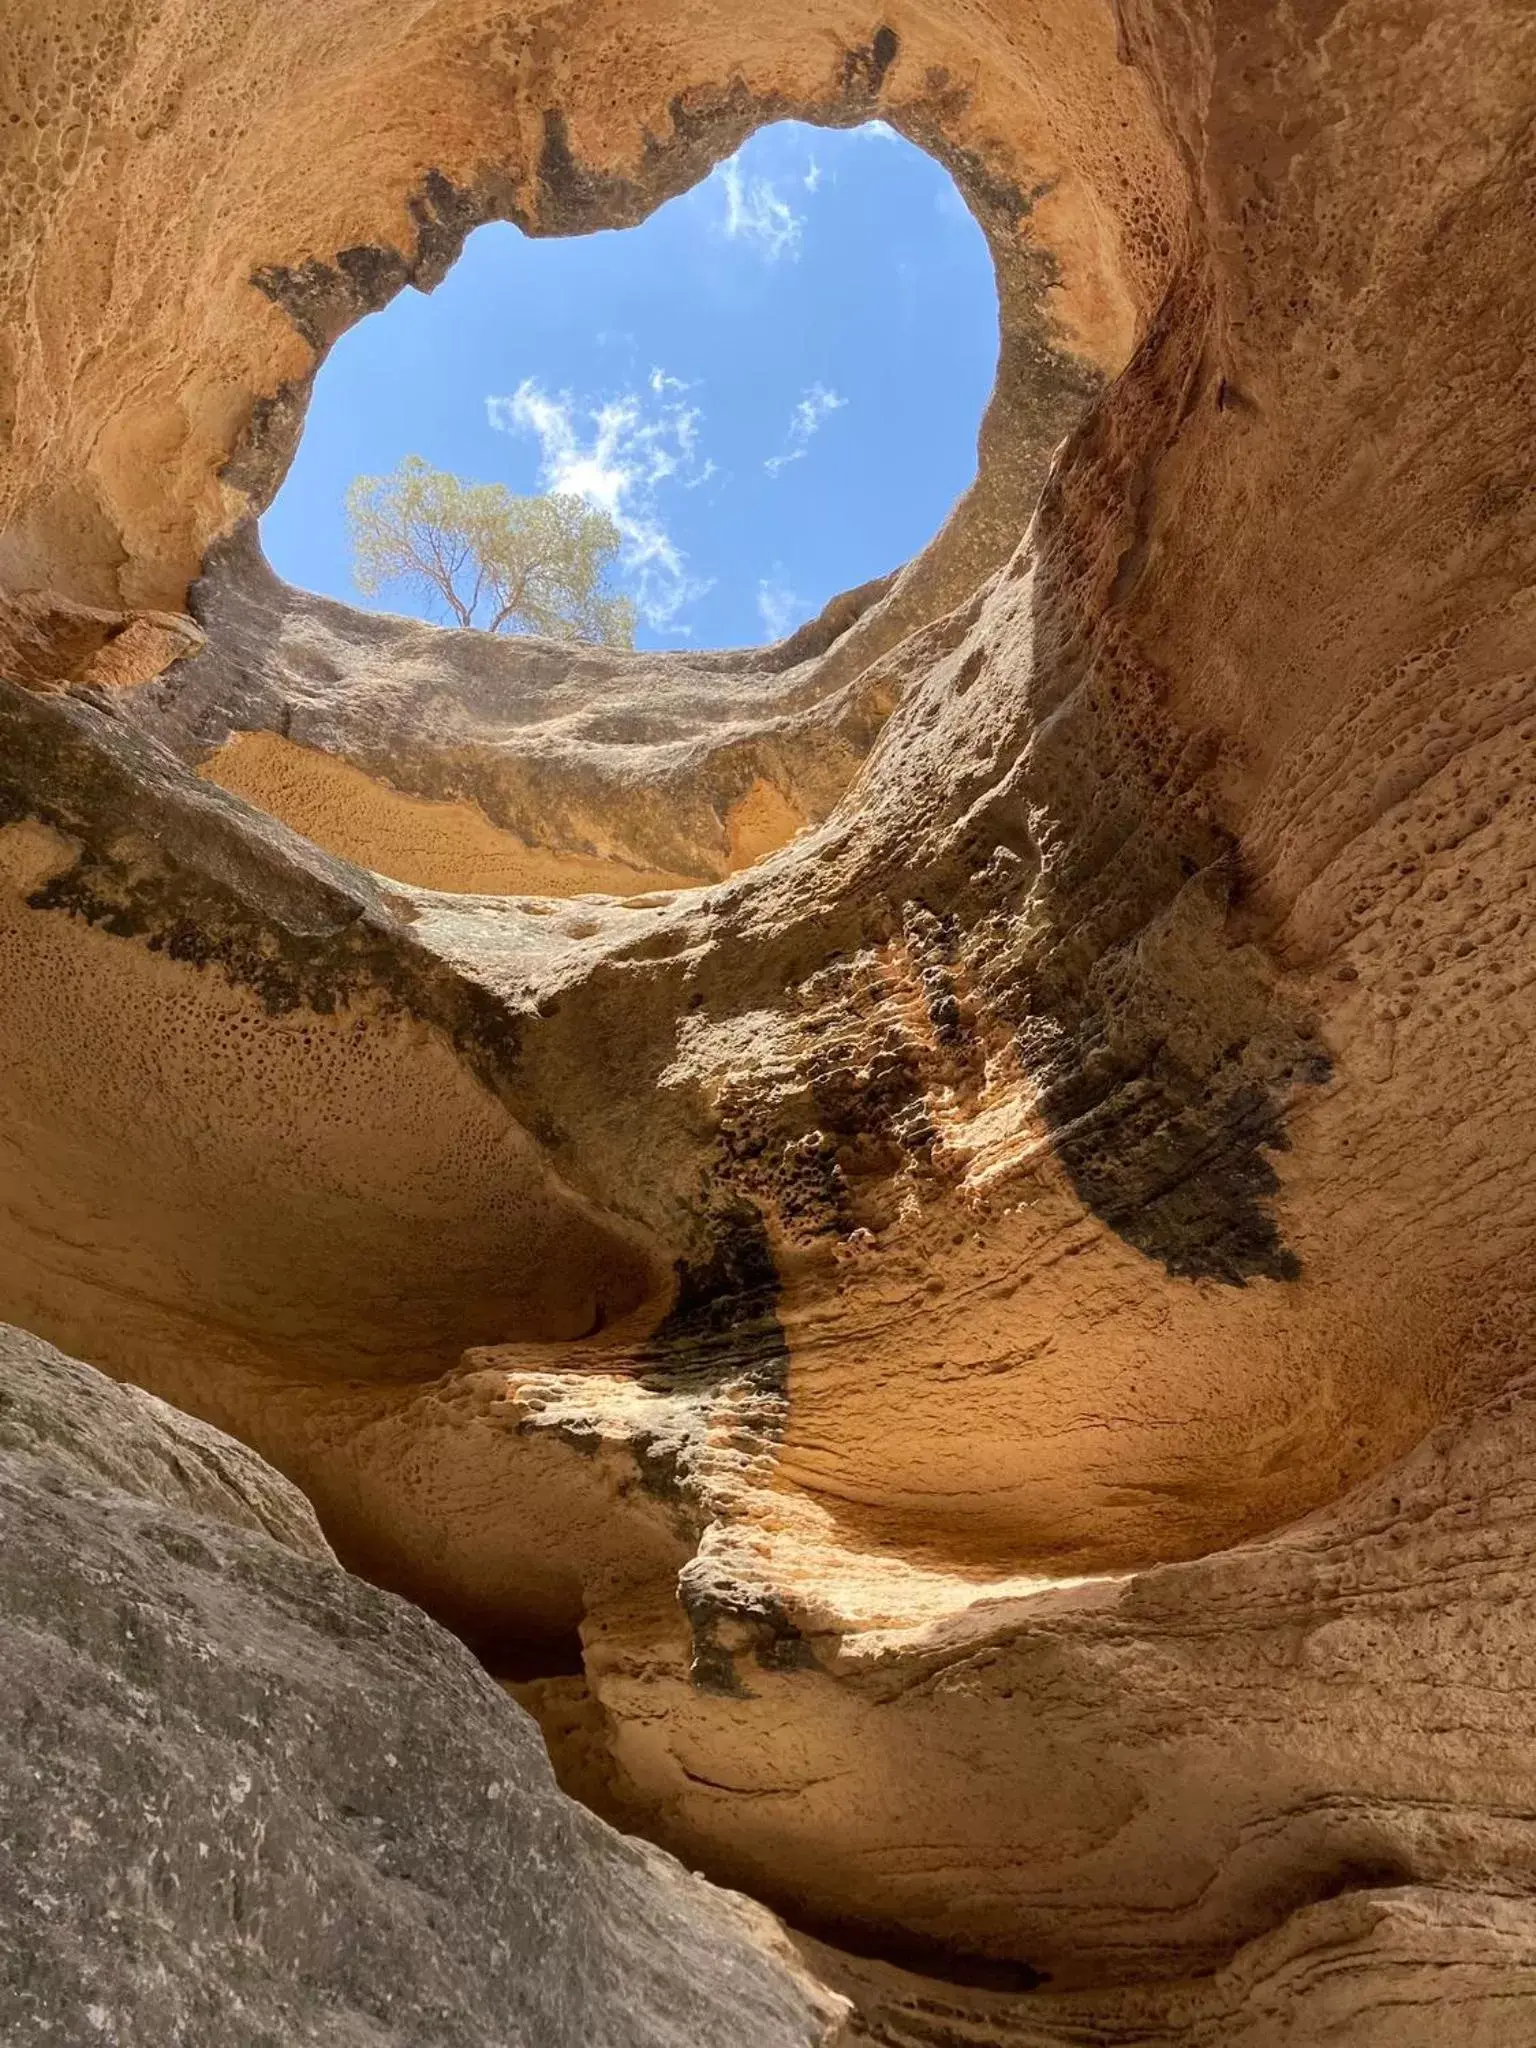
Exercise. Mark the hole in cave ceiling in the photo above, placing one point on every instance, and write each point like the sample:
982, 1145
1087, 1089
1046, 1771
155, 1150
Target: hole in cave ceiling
773, 387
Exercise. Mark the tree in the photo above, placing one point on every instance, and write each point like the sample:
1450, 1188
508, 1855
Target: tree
504, 563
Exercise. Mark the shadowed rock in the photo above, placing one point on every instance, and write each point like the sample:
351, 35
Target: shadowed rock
959, 1328
249, 1799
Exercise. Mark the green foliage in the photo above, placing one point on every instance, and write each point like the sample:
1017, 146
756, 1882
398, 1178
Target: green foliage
503, 563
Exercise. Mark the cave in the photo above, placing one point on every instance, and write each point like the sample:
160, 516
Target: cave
910, 1249
482, 770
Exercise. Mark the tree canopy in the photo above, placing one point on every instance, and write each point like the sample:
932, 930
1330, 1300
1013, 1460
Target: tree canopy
490, 559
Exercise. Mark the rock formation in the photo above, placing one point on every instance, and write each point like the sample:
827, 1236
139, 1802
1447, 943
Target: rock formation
249, 1799
923, 1239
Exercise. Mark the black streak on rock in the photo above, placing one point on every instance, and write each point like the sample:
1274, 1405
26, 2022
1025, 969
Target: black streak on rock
269, 443
723, 1323
1177, 1163
864, 68
762, 1627
324, 299
574, 198
221, 887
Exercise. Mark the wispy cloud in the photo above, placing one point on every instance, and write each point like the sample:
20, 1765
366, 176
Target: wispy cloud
813, 409
812, 176
754, 212
615, 455
777, 606
805, 423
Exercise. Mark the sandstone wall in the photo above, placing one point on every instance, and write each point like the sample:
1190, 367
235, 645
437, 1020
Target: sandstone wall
972, 1369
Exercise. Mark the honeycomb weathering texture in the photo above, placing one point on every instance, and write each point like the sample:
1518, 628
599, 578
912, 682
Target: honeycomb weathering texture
964, 1343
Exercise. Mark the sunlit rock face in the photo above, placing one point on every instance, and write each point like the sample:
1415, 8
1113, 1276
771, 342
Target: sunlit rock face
481, 765
951, 1311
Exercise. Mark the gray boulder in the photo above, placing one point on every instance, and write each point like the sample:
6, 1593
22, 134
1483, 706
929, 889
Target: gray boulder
248, 1800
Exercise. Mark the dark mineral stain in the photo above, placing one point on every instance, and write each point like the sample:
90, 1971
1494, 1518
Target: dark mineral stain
221, 887
773, 1642
573, 197
1176, 1162
864, 68
324, 299
723, 1322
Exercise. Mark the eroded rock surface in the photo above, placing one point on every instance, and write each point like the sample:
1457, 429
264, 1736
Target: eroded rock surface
1372, 1969
974, 1369
249, 1799
467, 762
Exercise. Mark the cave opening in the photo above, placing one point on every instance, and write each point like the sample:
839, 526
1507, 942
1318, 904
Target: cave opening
772, 388
967, 1367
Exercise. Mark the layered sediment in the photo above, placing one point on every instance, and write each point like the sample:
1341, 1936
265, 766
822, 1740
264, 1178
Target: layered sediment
922, 1239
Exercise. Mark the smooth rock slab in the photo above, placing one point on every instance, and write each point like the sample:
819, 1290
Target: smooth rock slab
247, 1799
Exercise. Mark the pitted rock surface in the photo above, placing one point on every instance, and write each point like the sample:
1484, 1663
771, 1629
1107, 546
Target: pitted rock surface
926, 1240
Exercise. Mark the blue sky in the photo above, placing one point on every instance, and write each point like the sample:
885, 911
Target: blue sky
774, 384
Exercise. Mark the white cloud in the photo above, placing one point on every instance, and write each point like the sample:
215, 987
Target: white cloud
805, 422
615, 455
876, 131
813, 409
754, 212
812, 176
777, 606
